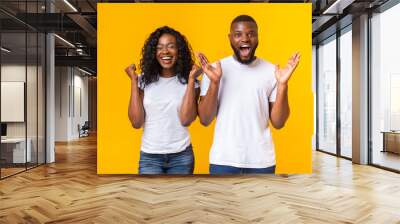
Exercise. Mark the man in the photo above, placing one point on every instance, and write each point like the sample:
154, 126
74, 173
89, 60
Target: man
244, 92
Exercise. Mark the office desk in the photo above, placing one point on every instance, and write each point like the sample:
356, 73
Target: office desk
391, 141
13, 150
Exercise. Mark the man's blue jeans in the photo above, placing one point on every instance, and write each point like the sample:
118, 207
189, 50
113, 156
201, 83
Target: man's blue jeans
172, 163
226, 170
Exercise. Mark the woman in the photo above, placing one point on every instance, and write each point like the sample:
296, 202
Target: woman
164, 101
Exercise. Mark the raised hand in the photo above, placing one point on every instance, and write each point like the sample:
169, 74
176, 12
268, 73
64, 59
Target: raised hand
283, 74
213, 73
195, 72
131, 71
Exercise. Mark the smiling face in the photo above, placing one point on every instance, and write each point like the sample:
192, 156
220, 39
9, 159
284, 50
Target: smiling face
167, 54
244, 41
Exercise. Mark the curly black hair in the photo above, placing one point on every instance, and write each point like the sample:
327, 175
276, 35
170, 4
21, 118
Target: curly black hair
149, 65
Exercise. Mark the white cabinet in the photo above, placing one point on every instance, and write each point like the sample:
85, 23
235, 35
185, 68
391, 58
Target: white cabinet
17, 146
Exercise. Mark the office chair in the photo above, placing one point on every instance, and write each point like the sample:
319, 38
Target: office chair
84, 130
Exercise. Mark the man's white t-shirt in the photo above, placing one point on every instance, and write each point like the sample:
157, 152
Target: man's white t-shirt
162, 131
242, 137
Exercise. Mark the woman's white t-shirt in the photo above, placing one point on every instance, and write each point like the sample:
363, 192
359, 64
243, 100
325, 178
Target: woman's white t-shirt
163, 132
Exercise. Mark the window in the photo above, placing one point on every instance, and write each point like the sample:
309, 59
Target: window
346, 75
385, 89
327, 95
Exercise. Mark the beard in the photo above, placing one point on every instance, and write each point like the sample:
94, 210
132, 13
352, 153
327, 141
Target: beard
246, 62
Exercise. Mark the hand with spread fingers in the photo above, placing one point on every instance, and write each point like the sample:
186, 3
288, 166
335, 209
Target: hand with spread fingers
213, 73
195, 72
131, 71
283, 74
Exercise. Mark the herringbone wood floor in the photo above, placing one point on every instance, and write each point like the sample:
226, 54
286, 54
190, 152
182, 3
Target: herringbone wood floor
69, 191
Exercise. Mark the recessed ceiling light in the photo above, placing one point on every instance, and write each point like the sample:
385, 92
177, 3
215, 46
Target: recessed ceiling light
84, 71
64, 40
5, 50
337, 7
70, 5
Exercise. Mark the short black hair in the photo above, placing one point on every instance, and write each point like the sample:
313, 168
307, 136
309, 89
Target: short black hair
243, 18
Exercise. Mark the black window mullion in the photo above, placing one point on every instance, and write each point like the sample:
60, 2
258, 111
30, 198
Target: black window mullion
26, 87
369, 96
338, 74
37, 91
317, 96
0, 96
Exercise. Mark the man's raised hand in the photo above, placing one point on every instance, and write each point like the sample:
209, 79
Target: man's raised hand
283, 74
213, 73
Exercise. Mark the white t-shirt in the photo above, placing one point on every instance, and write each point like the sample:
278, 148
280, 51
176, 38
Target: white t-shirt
162, 131
242, 137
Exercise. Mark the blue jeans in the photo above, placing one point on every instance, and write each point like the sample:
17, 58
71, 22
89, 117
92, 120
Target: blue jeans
224, 170
172, 163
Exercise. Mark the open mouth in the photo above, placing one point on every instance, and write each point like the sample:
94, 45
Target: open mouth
245, 50
166, 59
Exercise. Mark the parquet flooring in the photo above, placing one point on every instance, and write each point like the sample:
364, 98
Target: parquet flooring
70, 191
10, 171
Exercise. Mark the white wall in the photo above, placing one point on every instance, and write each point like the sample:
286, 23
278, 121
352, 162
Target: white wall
62, 78
80, 84
71, 93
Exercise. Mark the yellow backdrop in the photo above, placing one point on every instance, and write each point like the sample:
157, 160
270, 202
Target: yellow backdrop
122, 30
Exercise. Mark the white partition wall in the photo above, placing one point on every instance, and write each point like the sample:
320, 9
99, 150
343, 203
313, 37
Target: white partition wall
71, 102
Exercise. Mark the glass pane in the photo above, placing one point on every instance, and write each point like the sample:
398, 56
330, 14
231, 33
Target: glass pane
41, 98
327, 96
314, 87
14, 153
346, 94
31, 84
385, 89
23, 88
31, 100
